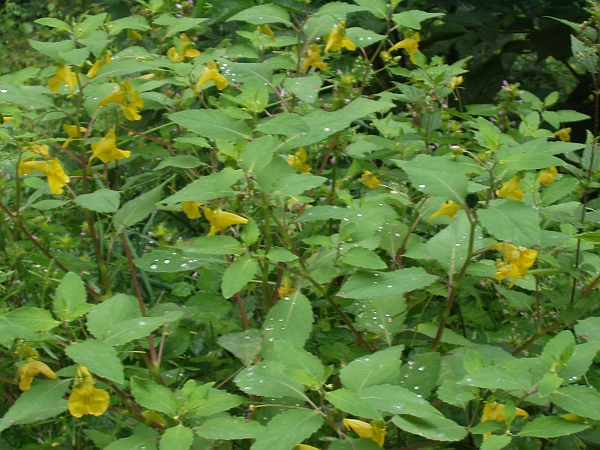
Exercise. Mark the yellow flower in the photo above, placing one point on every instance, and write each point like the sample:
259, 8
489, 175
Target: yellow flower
127, 100
574, 418
305, 447
337, 40
266, 29
368, 180
98, 65
547, 176
456, 81
448, 208
564, 134
313, 59
85, 398
286, 288
64, 74
106, 149
366, 430
52, 169
220, 220
211, 73
72, 131
5, 119
298, 161
511, 189
153, 416
30, 369
518, 261
410, 44
495, 411
40, 149
191, 209
186, 51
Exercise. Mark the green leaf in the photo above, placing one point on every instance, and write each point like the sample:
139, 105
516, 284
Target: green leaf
54, 23
47, 205
257, 154
154, 396
495, 442
229, 428
43, 401
166, 261
450, 186
299, 364
376, 7
378, 368
261, 14
559, 350
213, 124
126, 66
580, 361
397, 400
53, 50
99, 357
568, 115
218, 402
180, 162
137, 209
413, 19
588, 329
527, 161
362, 37
176, 25
551, 427
577, 399
34, 319
297, 184
132, 329
90, 24
366, 285
363, 258
215, 185
338, 10
212, 245
144, 438
238, 274
28, 96
381, 316
421, 373
102, 201
448, 336
110, 313
289, 320
70, 298
128, 23
432, 427
284, 123
245, 345
349, 402
495, 377
287, 429
177, 438
268, 380
512, 221
305, 88
549, 383
278, 254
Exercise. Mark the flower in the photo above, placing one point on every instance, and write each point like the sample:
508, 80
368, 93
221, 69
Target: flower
30, 369
64, 74
186, 51
305, 447
313, 59
448, 208
220, 220
211, 73
366, 430
40, 149
98, 65
52, 169
368, 180
286, 288
298, 161
127, 100
337, 40
410, 44
72, 131
564, 134
266, 29
547, 176
456, 81
191, 209
518, 261
511, 189
495, 411
85, 398
153, 416
106, 149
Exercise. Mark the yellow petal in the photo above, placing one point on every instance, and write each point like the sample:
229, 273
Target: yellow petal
57, 177
191, 209
30, 369
564, 134
369, 180
448, 208
106, 149
547, 176
220, 220
511, 189
363, 429
42, 149
336, 39
266, 29
410, 44
313, 59
88, 400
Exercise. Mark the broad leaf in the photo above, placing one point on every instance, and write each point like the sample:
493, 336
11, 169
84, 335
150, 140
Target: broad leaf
99, 357
382, 367
154, 396
287, 429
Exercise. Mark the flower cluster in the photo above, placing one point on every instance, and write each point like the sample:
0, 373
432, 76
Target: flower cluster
517, 261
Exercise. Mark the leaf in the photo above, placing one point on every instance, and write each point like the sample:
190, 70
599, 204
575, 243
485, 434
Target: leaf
362, 37
580, 362
102, 201
177, 438
495, 377
257, 154
349, 402
34, 319
363, 258
577, 399
378, 368
176, 25
31, 97
448, 336
305, 88
495, 442
70, 299
450, 186
376, 7
278, 254
568, 115
284, 123
229, 428
287, 429
144, 438
382, 316
132, 329
47, 205
128, 23
432, 427
111, 312
126, 66
261, 14
166, 261
136, 210
268, 380
289, 320
154, 396
421, 373
99, 357
300, 365
413, 19
297, 184
588, 329
54, 23
397, 400
512, 221
212, 245
527, 161
180, 162
245, 345
551, 427
559, 349
238, 274
216, 403
213, 124
366, 285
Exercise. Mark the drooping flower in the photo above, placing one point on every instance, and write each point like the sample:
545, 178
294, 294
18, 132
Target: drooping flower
85, 398
366, 430
448, 208
369, 180
186, 51
52, 169
337, 40
128, 101
211, 73
511, 189
495, 411
30, 369
64, 74
410, 44
547, 176
220, 220
40, 149
100, 62
456, 81
564, 134
517, 262
72, 132
106, 149
286, 288
313, 59
191, 209
266, 30
298, 161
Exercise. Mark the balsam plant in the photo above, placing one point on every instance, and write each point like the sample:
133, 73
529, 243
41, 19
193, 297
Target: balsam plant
276, 226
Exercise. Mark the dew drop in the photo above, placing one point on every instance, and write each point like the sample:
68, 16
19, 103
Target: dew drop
422, 186
167, 261
327, 129
154, 266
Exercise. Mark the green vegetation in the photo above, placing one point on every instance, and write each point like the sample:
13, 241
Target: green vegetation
299, 225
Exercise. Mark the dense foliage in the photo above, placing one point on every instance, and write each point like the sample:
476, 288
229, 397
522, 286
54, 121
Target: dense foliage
294, 225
